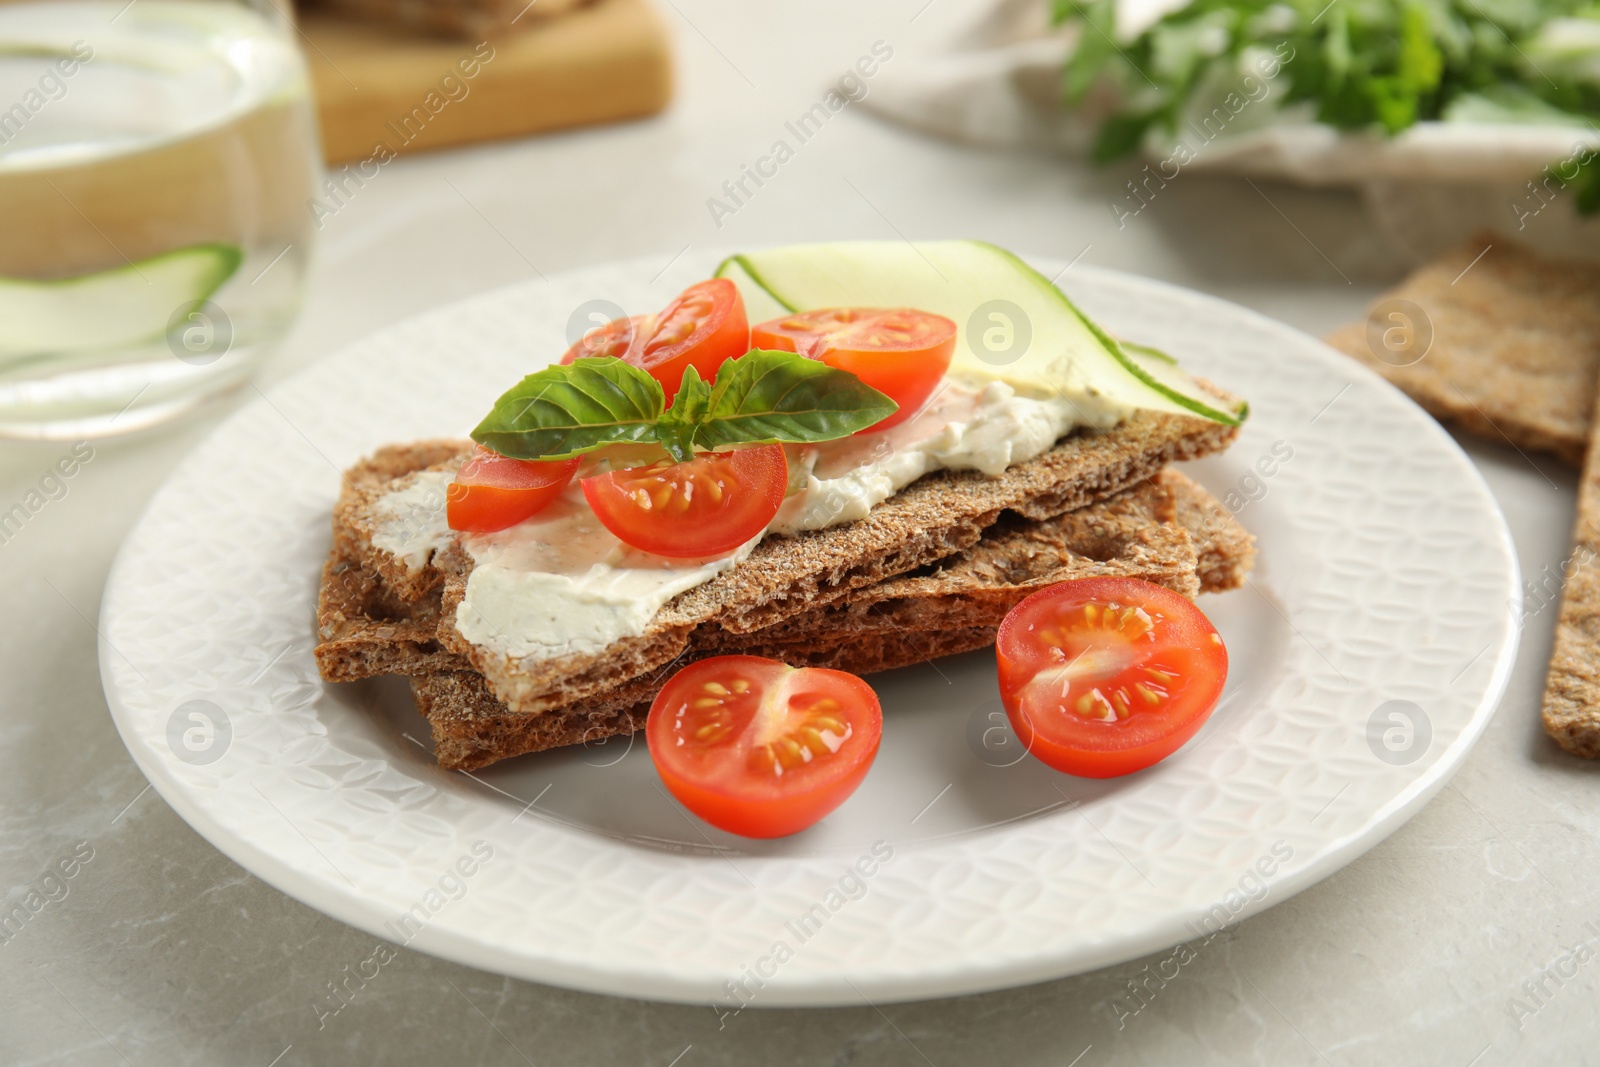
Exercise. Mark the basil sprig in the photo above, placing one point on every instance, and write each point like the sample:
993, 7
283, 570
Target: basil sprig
763, 396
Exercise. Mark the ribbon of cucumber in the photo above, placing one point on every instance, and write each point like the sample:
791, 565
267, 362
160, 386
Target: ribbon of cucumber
959, 279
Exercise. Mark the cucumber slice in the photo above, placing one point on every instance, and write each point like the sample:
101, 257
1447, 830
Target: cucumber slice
1165, 370
980, 287
760, 305
1141, 353
112, 309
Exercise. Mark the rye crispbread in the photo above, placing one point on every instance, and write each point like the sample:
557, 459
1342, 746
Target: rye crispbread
1167, 530
1226, 550
1158, 531
1515, 355
1163, 531
472, 728
1515, 345
1571, 708
932, 518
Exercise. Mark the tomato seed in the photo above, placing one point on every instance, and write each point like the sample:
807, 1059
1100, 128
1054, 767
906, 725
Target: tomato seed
813, 740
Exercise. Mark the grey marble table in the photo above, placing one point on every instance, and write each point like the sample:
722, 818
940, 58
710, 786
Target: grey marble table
1467, 938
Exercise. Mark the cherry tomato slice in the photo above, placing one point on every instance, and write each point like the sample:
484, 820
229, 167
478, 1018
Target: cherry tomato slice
492, 492
702, 327
761, 749
1105, 676
616, 338
707, 506
898, 351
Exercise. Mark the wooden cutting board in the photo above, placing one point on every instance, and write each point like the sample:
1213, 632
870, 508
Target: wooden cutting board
382, 92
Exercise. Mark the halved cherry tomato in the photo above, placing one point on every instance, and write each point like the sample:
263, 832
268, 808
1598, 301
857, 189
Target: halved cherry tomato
898, 351
706, 506
761, 749
492, 492
1105, 676
616, 338
704, 326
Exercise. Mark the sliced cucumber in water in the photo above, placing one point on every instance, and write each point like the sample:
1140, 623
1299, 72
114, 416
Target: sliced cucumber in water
1012, 324
112, 309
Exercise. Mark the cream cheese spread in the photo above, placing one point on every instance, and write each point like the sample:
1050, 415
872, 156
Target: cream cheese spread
985, 428
562, 584
411, 521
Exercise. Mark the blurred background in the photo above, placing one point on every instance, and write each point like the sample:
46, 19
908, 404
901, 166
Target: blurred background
199, 198
161, 160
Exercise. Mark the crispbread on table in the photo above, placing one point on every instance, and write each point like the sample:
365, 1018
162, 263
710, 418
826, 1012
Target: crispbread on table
1515, 344
1571, 708
1159, 531
1515, 354
933, 517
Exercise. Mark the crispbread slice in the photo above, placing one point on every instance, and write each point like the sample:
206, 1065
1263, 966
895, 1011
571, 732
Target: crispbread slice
1159, 532
358, 516
1165, 530
1572, 686
1515, 344
935, 516
472, 727
959, 608
364, 630
1226, 550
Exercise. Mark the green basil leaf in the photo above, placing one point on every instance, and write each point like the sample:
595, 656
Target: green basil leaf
693, 399
766, 396
677, 427
561, 412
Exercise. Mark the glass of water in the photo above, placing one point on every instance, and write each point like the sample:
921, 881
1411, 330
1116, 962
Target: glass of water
156, 161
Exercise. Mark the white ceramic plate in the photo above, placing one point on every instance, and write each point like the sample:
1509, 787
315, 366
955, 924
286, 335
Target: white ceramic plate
1368, 654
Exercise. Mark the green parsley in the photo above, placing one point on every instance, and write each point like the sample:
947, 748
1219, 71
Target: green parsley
1360, 64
